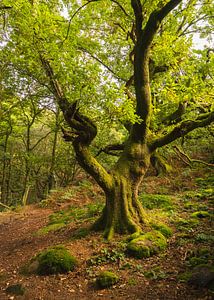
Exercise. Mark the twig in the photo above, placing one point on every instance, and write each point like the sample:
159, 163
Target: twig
74, 14
190, 160
102, 63
4, 205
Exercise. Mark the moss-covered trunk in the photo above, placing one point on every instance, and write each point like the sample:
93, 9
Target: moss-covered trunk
123, 212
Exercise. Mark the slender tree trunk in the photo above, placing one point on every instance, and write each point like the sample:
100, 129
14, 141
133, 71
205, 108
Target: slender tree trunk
51, 180
5, 167
27, 163
8, 181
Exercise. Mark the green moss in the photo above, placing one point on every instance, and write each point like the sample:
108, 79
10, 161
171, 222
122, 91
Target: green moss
200, 214
164, 229
48, 228
183, 224
80, 233
203, 237
106, 279
76, 214
152, 201
147, 245
184, 277
52, 261
155, 273
196, 261
200, 195
134, 236
208, 181
190, 205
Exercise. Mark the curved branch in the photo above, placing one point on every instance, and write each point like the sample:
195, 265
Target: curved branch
181, 130
187, 160
121, 7
83, 131
74, 14
155, 19
102, 63
111, 148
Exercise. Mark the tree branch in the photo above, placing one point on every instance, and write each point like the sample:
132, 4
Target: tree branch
102, 63
155, 19
187, 160
39, 141
137, 7
84, 131
141, 62
181, 130
110, 148
121, 7
74, 14
5, 7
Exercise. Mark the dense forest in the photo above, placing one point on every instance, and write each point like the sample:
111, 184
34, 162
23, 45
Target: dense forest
109, 103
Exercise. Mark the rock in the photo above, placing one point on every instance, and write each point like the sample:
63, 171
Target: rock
106, 279
202, 276
15, 289
147, 245
54, 260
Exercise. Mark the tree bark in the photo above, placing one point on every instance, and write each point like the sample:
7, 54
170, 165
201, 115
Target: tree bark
5, 168
123, 212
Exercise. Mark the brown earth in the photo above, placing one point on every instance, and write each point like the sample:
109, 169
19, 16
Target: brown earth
19, 243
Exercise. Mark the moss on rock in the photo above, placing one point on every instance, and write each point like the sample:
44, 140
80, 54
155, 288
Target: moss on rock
164, 229
53, 260
200, 214
147, 245
106, 279
15, 289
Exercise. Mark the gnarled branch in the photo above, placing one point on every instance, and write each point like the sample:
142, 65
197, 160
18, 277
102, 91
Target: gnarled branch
182, 129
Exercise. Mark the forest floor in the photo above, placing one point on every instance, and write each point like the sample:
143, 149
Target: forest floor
64, 218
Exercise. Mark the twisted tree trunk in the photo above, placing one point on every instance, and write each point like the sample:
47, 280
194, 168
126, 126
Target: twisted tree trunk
123, 212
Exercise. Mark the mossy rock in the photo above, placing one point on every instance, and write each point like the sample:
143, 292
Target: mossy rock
164, 229
147, 245
15, 289
133, 236
53, 260
106, 279
202, 276
200, 214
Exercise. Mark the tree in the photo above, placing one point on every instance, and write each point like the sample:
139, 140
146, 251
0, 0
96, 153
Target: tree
77, 73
